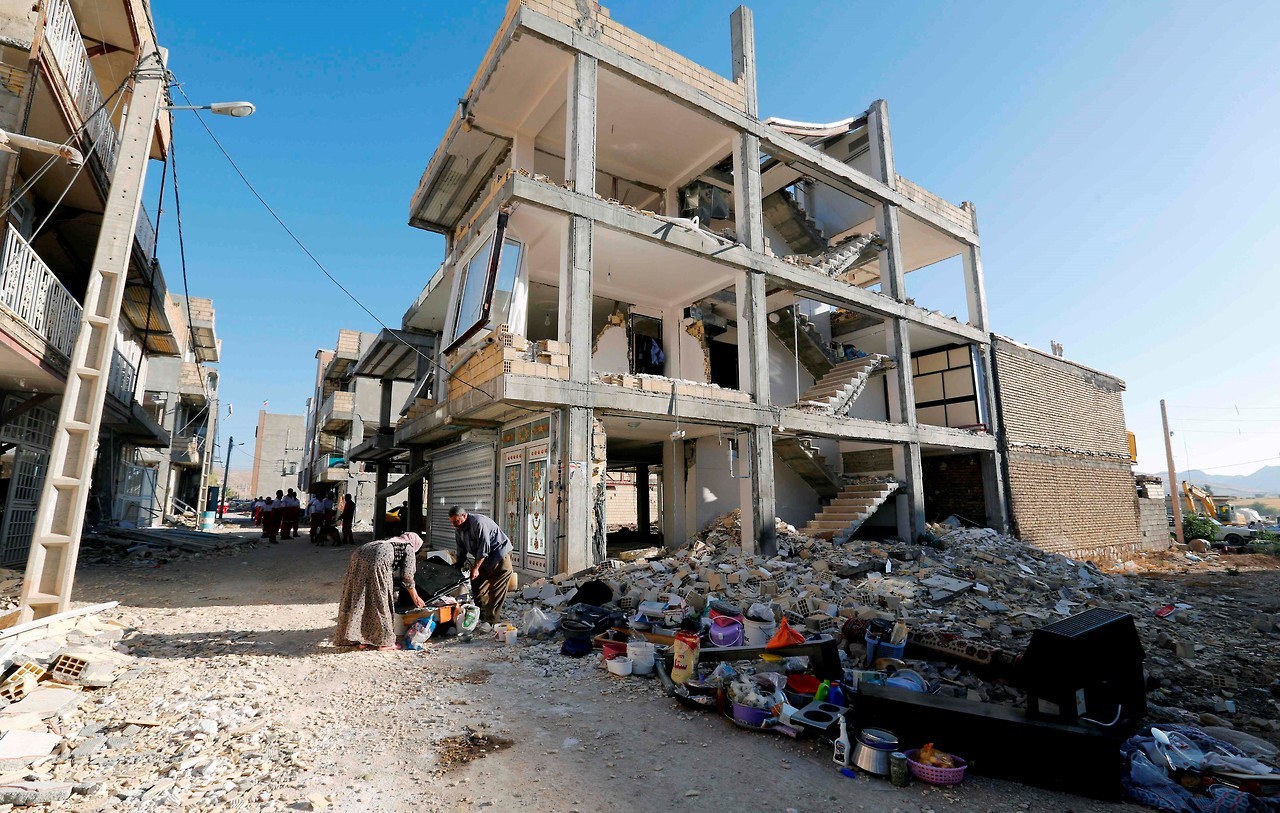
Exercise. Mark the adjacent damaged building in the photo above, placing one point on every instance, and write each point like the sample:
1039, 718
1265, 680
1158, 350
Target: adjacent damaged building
645, 277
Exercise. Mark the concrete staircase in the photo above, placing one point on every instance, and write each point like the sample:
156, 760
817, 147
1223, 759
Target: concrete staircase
814, 353
808, 462
836, 390
793, 223
852, 506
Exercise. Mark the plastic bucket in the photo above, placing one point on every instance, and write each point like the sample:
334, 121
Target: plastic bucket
640, 650
726, 631
749, 714
614, 649
758, 633
509, 639
642, 667
206, 520
500, 632
879, 649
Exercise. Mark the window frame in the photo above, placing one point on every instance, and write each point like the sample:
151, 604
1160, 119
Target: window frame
496, 243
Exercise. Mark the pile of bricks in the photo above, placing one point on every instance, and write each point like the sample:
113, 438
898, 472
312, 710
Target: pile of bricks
665, 386
509, 354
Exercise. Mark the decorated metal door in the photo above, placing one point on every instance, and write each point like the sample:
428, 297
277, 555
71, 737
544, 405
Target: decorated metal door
525, 460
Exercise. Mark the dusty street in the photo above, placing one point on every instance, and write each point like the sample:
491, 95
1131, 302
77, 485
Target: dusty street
245, 635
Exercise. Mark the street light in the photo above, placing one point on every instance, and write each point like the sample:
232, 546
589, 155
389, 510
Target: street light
236, 109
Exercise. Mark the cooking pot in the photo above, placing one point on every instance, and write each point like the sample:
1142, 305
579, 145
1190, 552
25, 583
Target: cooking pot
871, 754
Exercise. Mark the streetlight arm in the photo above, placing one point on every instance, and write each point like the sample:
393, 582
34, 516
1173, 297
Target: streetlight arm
237, 109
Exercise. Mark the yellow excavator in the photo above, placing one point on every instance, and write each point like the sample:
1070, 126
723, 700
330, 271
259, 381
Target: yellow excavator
1231, 523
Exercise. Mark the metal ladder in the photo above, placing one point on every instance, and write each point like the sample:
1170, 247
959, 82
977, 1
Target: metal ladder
55, 545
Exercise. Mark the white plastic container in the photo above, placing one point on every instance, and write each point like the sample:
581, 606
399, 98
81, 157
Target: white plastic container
619, 666
758, 633
641, 654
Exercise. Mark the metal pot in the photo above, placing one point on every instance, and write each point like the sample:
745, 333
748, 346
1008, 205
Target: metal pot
871, 754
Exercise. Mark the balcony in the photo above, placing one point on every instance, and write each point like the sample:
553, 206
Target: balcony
63, 38
337, 411
187, 450
31, 291
207, 346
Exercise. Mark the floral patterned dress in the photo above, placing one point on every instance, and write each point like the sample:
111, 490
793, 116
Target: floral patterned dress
366, 614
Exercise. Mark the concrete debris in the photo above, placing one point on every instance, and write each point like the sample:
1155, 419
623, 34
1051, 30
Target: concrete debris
971, 598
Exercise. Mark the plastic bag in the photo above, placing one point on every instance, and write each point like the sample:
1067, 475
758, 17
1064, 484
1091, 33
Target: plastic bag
419, 632
761, 613
785, 636
685, 659
538, 624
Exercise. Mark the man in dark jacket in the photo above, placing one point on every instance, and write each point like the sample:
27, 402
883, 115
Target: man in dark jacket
481, 539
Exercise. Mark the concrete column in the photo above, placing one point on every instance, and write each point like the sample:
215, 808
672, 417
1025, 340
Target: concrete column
580, 125
742, 33
993, 491
974, 286
522, 150
383, 468
910, 501
575, 298
642, 498
881, 143
415, 491
576, 552
674, 506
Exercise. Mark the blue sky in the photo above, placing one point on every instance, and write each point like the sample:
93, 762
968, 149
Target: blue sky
1124, 160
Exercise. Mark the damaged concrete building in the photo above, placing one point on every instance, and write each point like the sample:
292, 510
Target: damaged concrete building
643, 275
63, 67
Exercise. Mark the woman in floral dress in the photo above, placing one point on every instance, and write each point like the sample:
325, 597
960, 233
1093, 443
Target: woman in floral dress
366, 615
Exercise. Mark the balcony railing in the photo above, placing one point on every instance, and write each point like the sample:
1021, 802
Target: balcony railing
337, 410
63, 37
146, 233
122, 382
30, 290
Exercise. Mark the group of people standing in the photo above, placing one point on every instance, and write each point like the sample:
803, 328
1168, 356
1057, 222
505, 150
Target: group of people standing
280, 516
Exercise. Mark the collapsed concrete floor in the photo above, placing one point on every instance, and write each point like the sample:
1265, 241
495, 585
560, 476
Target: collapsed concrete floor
249, 628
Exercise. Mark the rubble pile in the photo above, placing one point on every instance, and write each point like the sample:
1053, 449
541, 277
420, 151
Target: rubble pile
971, 597
151, 548
66, 732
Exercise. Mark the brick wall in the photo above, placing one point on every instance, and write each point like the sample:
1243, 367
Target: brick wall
1050, 403
943, 208
1153, 524
1070, 480
953, 485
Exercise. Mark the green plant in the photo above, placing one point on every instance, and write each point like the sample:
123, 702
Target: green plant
1195, 526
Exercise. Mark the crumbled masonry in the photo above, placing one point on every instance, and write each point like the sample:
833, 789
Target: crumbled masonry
972, 598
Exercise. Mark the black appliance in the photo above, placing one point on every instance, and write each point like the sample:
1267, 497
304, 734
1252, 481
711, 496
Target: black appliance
1088, 665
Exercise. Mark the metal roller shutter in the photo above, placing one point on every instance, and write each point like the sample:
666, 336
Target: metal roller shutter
462, 475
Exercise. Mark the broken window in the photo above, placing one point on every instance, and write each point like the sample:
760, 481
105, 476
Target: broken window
647, 355
488, 281
946, 387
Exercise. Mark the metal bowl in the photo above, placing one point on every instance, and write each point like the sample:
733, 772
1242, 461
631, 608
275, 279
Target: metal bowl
871, 754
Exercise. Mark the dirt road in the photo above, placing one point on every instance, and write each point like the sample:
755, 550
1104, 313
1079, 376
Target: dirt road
250, 631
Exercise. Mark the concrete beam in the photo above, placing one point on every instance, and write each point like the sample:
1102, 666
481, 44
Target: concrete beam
975, 286
881, 143
813, 284
815, 163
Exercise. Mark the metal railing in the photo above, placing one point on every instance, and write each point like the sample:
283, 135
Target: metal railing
122, 381
146, 233
63, 36
30, 290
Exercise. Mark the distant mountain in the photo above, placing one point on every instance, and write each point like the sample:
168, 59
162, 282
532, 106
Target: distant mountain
1264, 481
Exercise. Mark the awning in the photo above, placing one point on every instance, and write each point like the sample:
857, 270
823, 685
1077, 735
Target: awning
404, 482
394, 355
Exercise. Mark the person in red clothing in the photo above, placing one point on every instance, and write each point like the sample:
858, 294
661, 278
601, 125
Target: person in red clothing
270, 520
282, 515
348, 517
257, 511
295, 511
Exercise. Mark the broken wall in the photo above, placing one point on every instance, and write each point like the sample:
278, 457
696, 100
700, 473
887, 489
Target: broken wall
1153, 523
1070, 478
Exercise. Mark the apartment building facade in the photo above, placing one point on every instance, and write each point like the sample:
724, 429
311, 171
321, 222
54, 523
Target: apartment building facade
279, 453
63, 65
181, 393
643, 275
347, 415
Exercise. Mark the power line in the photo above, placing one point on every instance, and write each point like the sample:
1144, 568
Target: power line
252, 189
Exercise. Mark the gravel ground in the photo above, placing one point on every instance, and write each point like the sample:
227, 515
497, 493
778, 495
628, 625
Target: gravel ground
245, 634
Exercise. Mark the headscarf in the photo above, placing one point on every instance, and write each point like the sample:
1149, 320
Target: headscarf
411, 539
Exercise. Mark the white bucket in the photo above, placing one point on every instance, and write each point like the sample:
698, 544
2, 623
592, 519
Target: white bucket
758, 633
640, 650
510, 638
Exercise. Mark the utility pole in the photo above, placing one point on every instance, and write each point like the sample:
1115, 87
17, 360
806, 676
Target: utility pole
55, 543
226, 472
1173, 474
